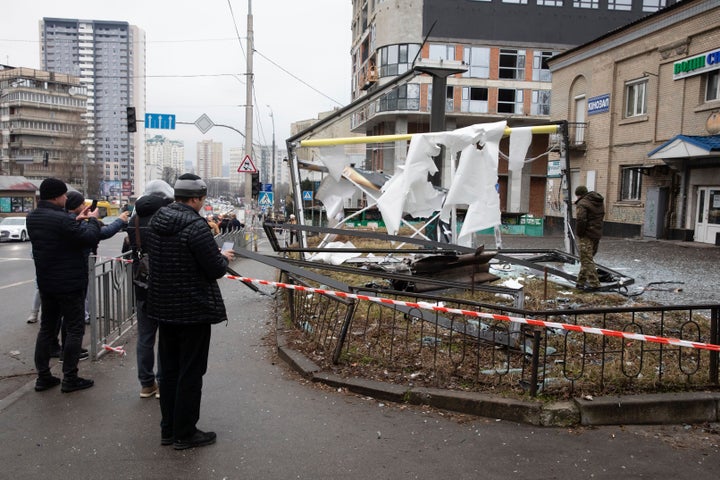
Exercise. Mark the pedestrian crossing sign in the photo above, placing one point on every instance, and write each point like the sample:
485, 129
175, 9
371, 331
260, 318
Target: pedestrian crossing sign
265, 199
247, 165
307, 194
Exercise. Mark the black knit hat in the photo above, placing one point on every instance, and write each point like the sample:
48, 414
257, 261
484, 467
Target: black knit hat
74, 200
189, 185
52, 188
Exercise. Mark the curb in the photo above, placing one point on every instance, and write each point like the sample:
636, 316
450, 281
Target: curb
645, 409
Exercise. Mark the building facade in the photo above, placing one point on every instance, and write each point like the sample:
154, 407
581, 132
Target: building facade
164, 158
503, 47
42, 129
209, 159
646, 99
109, 59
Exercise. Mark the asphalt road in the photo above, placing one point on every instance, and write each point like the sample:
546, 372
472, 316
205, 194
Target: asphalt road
272, 424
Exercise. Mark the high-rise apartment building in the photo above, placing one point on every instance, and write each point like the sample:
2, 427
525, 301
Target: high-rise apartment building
164, 158
503, 44
209, 159
109, 59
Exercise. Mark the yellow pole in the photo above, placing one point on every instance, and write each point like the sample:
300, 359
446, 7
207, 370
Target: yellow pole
327, 142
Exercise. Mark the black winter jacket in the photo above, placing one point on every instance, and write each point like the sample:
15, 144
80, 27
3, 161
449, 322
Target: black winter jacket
590, 212
184, 264
145, 208
59, 243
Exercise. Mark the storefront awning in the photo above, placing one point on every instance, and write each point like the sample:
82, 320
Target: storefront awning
687, 146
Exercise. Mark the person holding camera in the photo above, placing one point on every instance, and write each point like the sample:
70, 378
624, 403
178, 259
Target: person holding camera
184, 298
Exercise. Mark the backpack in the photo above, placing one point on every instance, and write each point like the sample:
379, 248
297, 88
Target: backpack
142, 271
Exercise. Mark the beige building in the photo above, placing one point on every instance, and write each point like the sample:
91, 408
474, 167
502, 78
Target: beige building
209, 159
42, 132
164, 158
643, 104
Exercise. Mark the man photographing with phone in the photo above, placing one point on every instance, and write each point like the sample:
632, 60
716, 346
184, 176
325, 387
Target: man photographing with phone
184, 299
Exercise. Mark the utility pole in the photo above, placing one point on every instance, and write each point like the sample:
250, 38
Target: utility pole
249, 101
272, 212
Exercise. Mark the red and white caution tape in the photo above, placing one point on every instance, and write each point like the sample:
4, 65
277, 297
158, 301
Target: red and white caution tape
119, 350
471, 313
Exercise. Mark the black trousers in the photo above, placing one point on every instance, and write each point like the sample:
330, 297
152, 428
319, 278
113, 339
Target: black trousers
183, 353
68, 310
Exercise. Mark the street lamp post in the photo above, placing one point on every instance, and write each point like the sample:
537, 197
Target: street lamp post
272, 160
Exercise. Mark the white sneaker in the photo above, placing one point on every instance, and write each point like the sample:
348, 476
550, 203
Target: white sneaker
33, 317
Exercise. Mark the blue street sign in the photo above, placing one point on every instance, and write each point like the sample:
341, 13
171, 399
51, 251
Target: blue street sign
267, 187
265, 199
307, 194
164, 121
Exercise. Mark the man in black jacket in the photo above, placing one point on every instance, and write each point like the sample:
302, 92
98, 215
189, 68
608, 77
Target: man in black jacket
58, 244
157, 194
184, 298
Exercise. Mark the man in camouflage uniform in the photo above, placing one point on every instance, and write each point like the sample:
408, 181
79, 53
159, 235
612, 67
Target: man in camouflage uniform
590, 212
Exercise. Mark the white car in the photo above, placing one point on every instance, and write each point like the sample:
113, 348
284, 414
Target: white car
13, 228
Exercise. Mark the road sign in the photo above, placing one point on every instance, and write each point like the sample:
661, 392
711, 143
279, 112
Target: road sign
267, 187
203, 123
307, 195
163, 121
265, 199
247, 165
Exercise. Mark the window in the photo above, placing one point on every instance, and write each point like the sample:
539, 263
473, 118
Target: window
442, 52
550, 3
449, 98
625, 5
478, 61
630, 184
404, 97
635, 98
512, 64
712, 89
540, 102
396, 59
474, 100
586, 3
541, 71
653, 5
510, 101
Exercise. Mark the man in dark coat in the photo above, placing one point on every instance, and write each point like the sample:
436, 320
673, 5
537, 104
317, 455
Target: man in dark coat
157, 194
59, 243
184, 298
590, 212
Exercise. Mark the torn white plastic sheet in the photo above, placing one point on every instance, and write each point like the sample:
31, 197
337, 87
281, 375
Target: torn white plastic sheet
520, 139
333, 193
334, 159
335, 258
409, 190
475, 180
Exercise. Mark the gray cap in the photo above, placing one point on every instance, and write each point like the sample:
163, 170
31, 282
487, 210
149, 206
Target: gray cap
189, 186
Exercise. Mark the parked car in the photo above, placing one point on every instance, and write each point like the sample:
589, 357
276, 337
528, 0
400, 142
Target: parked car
13, 228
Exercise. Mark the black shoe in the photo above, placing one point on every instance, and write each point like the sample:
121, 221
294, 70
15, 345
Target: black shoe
75, 384
46, 383
199, 439
165, 441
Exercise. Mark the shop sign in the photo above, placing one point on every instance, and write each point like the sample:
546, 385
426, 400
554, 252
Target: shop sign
696, 65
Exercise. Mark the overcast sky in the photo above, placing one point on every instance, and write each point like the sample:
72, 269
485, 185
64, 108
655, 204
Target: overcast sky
196, 64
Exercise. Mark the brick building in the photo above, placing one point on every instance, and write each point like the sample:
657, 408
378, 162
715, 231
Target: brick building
644, 102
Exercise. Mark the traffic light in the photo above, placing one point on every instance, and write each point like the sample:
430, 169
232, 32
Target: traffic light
131, 120
256, 185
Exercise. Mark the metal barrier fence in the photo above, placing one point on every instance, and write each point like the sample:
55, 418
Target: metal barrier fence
426, 348
111, 301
